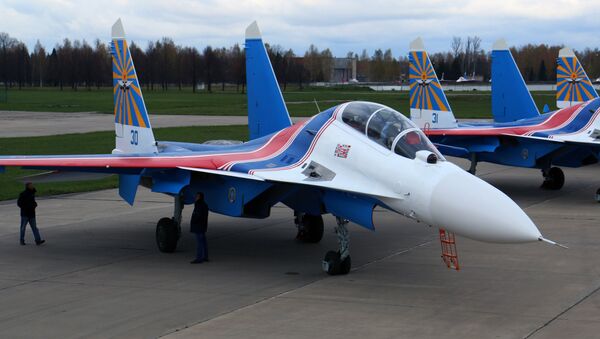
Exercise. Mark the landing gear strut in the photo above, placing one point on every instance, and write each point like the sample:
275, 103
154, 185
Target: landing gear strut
473, 167
310, 227
554, 178
339, 263
168, 230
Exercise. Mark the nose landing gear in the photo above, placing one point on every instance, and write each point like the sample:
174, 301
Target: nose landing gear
339, 263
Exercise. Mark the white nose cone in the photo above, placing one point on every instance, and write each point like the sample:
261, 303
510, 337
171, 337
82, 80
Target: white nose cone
468, 206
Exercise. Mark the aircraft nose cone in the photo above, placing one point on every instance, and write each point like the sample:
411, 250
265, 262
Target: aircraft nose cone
468, 206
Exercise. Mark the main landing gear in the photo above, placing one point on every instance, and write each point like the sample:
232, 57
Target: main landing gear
338, 263
554, 178
310, 227
473, 167
168, 230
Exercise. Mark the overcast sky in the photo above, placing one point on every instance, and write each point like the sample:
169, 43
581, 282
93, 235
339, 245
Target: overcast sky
340, 25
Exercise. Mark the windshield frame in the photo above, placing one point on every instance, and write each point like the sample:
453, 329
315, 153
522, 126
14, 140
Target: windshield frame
411, 127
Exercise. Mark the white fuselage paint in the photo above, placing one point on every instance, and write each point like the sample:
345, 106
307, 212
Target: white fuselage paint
441, 194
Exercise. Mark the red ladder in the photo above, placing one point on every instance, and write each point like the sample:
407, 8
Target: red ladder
449, 253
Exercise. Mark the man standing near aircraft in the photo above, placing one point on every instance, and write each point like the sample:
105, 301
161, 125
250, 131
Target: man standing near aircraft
27, 204
198, 226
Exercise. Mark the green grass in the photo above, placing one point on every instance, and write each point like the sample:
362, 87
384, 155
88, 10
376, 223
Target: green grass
300, 103
92, 143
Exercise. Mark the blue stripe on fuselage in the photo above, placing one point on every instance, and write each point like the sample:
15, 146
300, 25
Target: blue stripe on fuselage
295, 151
581, 120
519, 123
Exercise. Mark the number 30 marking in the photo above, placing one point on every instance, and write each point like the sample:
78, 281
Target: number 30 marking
134, 137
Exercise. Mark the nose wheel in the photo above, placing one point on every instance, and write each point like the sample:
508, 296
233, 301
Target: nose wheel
339, 262
554, 178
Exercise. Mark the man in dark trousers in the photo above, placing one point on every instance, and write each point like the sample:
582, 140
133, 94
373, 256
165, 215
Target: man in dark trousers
198, 226
27, 204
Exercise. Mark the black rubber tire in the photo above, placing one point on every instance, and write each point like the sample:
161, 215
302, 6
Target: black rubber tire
313, 228
167, 235
345, 266
332, 258
335, 266
554, 179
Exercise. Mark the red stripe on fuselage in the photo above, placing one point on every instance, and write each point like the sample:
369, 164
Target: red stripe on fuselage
554, 121
208, 161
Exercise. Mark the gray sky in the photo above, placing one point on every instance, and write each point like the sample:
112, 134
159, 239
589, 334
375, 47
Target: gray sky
340, 25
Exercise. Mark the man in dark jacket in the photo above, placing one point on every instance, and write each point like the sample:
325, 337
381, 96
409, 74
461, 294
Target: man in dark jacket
27, 204
198, 226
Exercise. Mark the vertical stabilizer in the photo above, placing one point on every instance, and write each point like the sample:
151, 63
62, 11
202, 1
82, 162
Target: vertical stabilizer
572, 83
132, 124
511, 100
429, 107
267, 112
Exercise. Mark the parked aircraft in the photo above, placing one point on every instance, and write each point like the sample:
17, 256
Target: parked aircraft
465, 78
519, 135
344, 161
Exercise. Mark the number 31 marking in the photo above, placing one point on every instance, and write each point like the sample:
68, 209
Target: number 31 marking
134, 137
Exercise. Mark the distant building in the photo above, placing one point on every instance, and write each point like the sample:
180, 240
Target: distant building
343, 70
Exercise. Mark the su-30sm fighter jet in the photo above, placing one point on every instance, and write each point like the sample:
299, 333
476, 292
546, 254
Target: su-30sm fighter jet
345, 161
519, 135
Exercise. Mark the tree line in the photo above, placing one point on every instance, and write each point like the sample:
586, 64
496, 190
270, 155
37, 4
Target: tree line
163, 64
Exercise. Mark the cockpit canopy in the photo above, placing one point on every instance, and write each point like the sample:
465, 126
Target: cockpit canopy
388, 128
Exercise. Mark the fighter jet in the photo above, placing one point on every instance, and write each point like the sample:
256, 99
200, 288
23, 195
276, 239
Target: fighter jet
519, 135
465, 78
344, 161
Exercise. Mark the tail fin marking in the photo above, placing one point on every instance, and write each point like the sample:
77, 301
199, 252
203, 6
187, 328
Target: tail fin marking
132, 123
573, 86
429, 107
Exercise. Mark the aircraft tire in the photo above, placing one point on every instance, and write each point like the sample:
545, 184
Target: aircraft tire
554, 180
167, 235
313, 228
334, 266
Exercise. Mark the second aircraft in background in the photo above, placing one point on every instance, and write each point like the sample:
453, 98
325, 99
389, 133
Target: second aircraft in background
519, 135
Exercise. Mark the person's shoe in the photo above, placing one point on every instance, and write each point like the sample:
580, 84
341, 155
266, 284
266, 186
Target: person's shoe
196, 261
40, 242
23, 243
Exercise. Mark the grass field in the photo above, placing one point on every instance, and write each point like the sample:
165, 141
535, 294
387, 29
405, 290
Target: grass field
92, 143
300, 103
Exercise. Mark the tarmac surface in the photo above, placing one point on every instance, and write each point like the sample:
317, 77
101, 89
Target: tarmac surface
25, 124
100, 274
